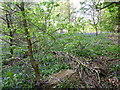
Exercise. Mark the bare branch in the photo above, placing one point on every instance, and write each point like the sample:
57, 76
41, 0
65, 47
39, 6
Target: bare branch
18, 6
10, 42
36, 41
4, 10
9, 11
3, 19
108, 5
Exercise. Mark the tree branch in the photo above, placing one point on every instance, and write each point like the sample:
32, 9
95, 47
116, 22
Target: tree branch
4, 10
10, 42
3, 19
108, 5
36, 41
42, 30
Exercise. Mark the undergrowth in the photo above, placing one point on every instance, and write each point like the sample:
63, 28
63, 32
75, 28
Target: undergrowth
80, 45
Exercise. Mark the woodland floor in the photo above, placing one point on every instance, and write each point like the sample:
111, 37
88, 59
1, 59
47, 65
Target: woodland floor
101, 72
90, 74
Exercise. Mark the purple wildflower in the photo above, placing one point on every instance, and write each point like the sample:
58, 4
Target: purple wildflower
90, 33
17, 71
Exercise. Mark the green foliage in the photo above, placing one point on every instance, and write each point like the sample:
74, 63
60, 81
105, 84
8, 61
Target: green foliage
81, 45
108, 22
17, 77
67, 84
42, 28
115, 70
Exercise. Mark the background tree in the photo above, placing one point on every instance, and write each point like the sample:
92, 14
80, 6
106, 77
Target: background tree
108, 22
66, 15
8, 11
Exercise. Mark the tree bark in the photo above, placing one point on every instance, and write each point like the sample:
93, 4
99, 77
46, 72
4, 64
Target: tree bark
8, 19
32, 60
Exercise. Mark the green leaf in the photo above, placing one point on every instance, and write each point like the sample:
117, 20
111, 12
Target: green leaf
6, 37
56, 5
58, 15
20, 82
82, 2
10, 73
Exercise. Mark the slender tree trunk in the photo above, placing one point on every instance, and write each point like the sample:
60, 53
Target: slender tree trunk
94, 22
11, 41
9, 23
96, 30
32, 60
118, 20
69, 14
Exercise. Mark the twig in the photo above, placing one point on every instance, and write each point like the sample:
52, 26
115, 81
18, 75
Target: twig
42, 30
10, 42
36, 41
19, 60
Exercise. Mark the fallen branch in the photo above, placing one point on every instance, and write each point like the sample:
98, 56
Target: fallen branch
95, 67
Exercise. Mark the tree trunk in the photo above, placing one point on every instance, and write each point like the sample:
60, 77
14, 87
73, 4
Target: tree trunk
32, 60
118, 20
96, 30
9, 23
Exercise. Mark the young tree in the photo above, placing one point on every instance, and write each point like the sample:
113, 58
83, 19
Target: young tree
30, 32
94, 14
108, 22
29, 42
66, 15
8, 18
